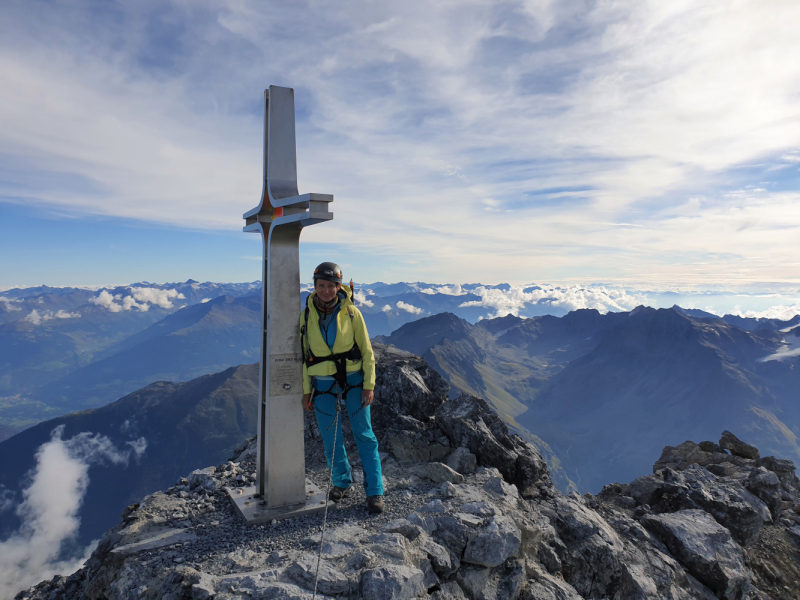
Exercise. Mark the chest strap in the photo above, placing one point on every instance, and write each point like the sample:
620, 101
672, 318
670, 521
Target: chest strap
340, 358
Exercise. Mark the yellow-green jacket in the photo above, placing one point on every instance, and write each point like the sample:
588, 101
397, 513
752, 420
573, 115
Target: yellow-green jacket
346, 330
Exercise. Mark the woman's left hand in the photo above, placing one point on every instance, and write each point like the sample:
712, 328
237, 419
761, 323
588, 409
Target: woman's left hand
367, 397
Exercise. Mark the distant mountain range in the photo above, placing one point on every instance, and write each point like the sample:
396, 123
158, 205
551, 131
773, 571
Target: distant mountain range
582, 386
603, 394
68, 349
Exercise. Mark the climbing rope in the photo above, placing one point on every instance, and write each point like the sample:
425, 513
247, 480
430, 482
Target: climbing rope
333, 424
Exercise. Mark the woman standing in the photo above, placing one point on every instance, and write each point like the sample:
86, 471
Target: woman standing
339, 362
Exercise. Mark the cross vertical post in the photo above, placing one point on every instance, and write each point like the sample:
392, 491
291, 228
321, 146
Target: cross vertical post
281, 489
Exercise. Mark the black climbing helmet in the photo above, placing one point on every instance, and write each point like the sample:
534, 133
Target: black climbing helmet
329, 272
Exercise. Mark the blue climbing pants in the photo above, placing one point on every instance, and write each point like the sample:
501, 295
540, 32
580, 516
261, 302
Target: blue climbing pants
366, 442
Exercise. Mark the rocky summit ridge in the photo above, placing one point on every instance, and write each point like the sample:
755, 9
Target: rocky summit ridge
471, 513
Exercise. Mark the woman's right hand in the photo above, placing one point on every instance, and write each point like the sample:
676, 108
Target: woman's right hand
307, 403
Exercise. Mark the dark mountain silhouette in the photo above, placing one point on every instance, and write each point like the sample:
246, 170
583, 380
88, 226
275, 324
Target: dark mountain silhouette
753, 324
6, 432
186, 425
603, 394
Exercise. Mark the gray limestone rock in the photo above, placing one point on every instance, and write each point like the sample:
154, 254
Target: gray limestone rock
498, 487
434, 507
501, 583
438, 473
495, 543
610, 555
406, 385
641, 489
543, 586
481, 509
404, 527
737, 447
410, 446
462, 460
449, 590
425, 522
430, 580
284, 591
392, 545
766, 485
392, 582
727, 501
340, 541
548, 557
474, 580
203, 589
785, 470
444, 562
203, 478
712, 447
445, 490
243, 559
330, 580
705, 548
470, 422
452, 533
681, 456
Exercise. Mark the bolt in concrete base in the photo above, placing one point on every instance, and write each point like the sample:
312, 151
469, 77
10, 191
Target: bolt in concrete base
254, 510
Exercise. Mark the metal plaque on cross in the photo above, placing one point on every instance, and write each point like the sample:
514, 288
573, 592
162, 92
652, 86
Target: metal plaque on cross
281, 489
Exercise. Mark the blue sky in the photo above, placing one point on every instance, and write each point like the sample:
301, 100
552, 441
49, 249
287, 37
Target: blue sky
643, 144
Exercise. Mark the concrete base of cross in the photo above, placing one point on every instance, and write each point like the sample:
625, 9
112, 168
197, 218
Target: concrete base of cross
254, 510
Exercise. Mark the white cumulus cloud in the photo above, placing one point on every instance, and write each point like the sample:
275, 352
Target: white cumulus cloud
49, 510
782, 312
362, 299
386, 308
158, 297
516, 298
107, 300
409, 308
450, 290
139, 298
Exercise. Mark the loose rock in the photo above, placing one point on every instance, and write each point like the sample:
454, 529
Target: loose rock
705, 548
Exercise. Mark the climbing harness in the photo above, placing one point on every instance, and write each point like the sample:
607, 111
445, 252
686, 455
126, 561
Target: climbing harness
335, 425
339, 359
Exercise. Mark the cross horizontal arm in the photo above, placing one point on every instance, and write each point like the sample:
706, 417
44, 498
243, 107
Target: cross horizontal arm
301, 201
307, 209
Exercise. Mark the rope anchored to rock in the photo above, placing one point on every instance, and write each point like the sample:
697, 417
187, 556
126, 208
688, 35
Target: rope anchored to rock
335, 425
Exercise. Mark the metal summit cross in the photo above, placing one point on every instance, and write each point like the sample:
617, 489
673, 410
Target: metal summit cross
281, 489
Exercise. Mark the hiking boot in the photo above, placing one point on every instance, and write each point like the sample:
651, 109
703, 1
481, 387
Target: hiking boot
337, 493
375, 504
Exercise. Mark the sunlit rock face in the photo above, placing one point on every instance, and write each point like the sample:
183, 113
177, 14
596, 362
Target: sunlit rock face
475, 517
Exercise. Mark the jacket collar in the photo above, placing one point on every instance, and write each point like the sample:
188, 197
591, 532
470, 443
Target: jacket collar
347, 300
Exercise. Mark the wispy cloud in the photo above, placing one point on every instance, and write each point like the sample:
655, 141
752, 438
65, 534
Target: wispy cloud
431, 122
49, 519
37, 318
11, 305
